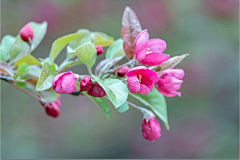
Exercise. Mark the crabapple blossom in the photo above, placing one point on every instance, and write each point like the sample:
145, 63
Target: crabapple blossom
26, 32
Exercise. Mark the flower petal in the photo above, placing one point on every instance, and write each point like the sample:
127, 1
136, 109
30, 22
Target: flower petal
168, 94
141, 42
154, 59
133, 84
143, 89
147, 82
157, 45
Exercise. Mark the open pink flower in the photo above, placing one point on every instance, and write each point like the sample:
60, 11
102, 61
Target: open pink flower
149, 52
170, 81
64, 83
141, 80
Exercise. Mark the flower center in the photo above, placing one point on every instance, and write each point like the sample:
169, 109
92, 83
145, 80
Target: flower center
139, 78
148, 52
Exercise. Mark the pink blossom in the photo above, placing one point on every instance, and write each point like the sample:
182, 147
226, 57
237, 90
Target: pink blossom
122, 72
26, 32
64, 83
141, 80
96, 90
151, 129
52, 108
99, 49
85, 84
170, 81
149, 52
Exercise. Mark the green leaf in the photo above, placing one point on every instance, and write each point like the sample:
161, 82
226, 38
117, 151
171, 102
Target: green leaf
102, 39
20, 84
34, 71
29, 59
100, 103
77, 85
18, 48
84, 37
116, 49
60, 43
156, 102
48, 95
39, 30
123, 108
23, 69
6, 44
115, 89
87, 53
45, 78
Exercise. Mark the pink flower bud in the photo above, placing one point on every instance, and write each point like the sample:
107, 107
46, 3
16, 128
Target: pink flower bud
64, 83
52, 108
85, 84
96, 90
170, 81
99, 49
26, 32
141, 80
151, 129
122, 72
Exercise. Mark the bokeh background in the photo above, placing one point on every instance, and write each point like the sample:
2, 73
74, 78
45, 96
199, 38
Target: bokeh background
204, 121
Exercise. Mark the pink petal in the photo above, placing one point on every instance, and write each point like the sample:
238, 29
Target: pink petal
143, 89
135, 70
141, 42
152, 75
57, 87
133, 84
68, 83
147, 82
154, 59
169, 94
177, 73
157, 45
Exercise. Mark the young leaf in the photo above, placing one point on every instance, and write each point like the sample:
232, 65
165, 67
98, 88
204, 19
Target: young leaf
102, 39
23, 69
106, 64
87, 53
123, 108
156, 102
119, 89
48, 95
60, 43
29, 59
39, 30
172, 62
100, 103
115, 89
84, 37
18, 48
116, 49
130, 29
6, 44
34, 71
69, 64
45, 78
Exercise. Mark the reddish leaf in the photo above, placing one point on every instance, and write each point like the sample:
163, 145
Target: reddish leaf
130, 29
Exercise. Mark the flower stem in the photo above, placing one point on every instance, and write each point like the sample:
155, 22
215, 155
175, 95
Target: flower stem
143, 110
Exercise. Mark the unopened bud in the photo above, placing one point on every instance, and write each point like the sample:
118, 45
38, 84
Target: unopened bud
52, 108
151, 129
85, 84
96, 90
26, 33
122, 72
99, 49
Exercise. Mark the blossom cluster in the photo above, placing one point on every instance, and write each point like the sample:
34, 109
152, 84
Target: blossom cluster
148, 73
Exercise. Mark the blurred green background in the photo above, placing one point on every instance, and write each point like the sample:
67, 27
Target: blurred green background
204, 122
